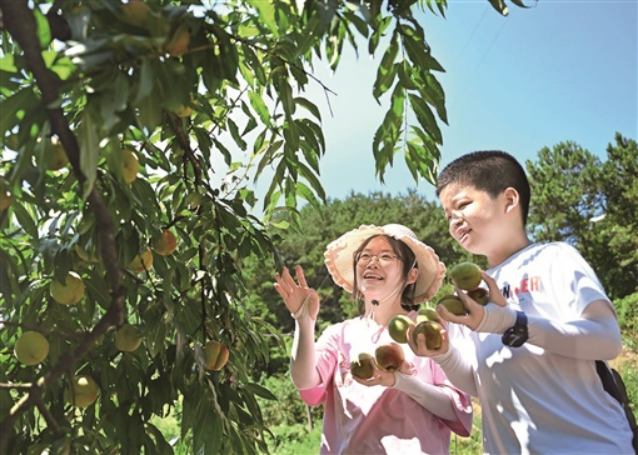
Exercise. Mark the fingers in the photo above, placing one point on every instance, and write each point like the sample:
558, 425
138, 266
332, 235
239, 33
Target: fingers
495, 293
301, 277
281, 291
448, 316
406, 368
418, 346
288, 279
475, 311
468, 301
285, 282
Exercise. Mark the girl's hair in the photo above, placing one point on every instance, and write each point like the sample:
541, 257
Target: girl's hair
408, 260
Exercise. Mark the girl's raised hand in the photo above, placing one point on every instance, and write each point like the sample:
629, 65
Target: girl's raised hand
297, 295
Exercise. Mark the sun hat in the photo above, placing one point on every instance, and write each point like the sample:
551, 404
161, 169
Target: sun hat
339, 258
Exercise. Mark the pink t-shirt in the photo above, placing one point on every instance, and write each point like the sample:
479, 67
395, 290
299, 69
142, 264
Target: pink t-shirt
359, 419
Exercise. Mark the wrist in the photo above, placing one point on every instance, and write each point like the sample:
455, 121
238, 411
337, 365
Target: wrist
444, 358
517, 335
496, 319
401, 379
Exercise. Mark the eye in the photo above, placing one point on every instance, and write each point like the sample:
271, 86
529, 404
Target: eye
387, 257
364, 257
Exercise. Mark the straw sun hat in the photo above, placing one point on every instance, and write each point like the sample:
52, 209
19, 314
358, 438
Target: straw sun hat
339, 257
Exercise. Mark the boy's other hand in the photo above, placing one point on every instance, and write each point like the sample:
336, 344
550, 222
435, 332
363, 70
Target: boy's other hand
476, 311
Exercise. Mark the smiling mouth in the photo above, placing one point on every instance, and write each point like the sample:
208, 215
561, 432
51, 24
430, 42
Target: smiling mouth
371, 276
462, 236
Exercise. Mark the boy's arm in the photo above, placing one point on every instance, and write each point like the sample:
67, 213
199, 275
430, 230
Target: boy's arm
435, 399
456, 366
595, 336
458, 370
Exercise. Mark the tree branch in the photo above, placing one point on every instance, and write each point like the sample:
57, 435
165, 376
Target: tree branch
182, 138
43, 330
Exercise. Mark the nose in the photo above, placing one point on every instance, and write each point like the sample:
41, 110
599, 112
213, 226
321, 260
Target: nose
454, 222
373, 256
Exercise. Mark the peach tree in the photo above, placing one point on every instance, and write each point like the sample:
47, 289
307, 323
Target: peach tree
132, 133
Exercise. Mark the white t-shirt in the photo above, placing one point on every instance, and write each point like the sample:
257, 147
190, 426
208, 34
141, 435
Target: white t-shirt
537, 402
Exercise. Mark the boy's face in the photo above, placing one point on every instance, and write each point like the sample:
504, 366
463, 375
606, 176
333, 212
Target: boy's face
476, 220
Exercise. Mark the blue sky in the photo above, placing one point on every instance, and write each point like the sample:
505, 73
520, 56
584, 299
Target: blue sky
563, 70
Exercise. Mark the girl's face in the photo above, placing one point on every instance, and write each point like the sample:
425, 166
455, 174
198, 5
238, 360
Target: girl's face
379, 269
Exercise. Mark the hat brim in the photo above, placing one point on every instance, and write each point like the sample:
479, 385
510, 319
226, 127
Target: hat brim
339, 258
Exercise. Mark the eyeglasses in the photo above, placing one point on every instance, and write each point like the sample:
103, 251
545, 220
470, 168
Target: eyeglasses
385, 259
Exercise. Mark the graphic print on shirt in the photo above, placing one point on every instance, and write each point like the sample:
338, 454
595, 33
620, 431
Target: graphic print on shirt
526, 286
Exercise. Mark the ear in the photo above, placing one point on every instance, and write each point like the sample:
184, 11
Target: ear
412, 276
511, 199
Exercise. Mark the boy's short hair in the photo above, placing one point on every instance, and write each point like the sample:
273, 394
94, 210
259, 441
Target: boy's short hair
491, 171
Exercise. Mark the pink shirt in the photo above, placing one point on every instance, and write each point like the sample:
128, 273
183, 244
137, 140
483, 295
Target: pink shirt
374, 420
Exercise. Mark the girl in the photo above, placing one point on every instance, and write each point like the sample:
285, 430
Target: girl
409, 411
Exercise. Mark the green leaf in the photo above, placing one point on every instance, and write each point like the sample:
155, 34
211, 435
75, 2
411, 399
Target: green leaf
88, 142
145, 81
150, 112
259, 106
42, 28
500, 6
309, 106
234, 131
291, 135
24, 100
285, 94
417, 49
269, 199
268, 157
25, 220
432, 92
266, 10
387, 70
7, 63
521, 4
426, 118
309, 175
63, 67
114, 100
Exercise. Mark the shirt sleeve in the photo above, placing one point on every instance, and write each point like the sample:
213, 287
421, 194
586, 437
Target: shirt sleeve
461, 403
571, 276
326, 349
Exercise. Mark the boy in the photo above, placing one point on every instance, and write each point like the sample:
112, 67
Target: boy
529, 355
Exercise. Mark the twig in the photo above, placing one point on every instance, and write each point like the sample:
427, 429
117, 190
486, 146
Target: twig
15, 386
42, 330
185, 144
51, 422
